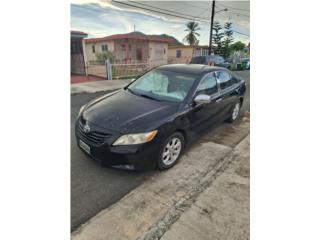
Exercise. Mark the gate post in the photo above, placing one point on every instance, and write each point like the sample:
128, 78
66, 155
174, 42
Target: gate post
109, 69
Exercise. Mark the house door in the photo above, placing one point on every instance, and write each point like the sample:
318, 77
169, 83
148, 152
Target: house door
139, 54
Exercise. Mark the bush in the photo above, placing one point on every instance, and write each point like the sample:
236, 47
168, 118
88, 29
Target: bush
104, 56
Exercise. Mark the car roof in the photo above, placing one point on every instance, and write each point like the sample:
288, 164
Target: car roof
189, 68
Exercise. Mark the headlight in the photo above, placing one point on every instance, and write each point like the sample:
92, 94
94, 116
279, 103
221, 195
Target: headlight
81, 110
136, 138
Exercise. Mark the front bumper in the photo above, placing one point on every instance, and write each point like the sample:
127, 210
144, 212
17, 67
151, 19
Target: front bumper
141, 156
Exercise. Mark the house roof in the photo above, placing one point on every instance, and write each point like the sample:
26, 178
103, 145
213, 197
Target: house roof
180, 46
78, 34
188, 46
132, 36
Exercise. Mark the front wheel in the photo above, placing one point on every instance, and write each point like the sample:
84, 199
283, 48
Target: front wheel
171, 151
235, 112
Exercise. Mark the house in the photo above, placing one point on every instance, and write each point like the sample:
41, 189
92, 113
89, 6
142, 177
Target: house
129, 48
180, 54
184, 53
77, 55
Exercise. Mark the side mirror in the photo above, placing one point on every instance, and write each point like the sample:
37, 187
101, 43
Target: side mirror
202, 98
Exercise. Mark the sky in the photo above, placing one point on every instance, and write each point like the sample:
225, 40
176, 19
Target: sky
99, 18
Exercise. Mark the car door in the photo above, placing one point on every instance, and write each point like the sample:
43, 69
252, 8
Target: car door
202, 115
229, 89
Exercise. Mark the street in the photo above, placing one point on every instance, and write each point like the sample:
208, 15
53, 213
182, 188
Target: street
93, 187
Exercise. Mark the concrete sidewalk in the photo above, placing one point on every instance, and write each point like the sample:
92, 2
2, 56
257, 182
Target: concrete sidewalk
205, 196
222, 211
98, 86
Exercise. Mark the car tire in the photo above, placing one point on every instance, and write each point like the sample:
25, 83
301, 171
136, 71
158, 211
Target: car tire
235, 112
169, 156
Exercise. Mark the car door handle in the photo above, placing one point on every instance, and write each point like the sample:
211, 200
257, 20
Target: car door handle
218, 99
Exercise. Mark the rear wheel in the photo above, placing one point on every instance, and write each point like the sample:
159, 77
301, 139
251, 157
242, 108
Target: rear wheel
171, 151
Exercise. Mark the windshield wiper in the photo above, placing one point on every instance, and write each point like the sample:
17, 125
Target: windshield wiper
132, 91
150, 97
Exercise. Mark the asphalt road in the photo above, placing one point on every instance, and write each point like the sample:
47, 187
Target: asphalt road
93, 187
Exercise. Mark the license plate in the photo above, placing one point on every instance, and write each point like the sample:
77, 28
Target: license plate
84, 146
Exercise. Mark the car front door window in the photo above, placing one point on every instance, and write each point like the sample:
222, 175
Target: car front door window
224, 79
208, 85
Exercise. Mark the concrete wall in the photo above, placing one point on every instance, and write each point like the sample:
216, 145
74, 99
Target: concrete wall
186, 54
158, 53
77, 64
91, 56
77, 58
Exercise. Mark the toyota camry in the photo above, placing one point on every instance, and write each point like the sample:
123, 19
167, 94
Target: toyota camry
148, 123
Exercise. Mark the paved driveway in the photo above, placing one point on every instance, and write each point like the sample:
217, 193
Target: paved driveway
93, 187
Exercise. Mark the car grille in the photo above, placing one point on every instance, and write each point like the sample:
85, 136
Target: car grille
93, 136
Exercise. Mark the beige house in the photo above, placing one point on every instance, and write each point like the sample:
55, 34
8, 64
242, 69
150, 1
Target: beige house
184, 54
129, 48
180, 54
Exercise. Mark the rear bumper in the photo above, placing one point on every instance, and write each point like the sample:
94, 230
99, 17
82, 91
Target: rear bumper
142, 156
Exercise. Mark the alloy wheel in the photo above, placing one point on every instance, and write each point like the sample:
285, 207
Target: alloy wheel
236, 111
171, 151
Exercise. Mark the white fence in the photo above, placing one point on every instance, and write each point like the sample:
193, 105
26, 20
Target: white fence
129, 70
119, 70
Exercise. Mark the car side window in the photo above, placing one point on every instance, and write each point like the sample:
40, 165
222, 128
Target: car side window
224, 79
208, 85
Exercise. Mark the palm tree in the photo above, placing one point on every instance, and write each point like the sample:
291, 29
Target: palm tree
191, 37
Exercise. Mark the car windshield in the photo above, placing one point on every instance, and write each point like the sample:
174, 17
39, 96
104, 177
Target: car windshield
197, 60
163, 85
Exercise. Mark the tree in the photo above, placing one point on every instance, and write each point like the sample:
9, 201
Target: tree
191, 37
237, 46
217, 38
104, 56
228, 39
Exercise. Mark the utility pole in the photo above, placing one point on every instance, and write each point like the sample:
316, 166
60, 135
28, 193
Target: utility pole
212, 17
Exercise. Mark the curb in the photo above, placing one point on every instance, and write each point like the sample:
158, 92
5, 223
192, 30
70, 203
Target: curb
98, 86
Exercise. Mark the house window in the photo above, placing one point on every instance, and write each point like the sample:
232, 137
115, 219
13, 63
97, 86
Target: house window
104, 48
205, 52
178, 53
93, 48
164, 51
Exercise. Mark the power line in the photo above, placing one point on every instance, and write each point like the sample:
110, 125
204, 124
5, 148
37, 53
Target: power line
240, 9
168, 10
101, 10
233, 12
169, 14
187, 3
240, 14
241, 33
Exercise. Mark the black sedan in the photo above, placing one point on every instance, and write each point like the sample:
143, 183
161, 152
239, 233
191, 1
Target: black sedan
148, 123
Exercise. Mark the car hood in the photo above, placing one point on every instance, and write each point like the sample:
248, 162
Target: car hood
125, 112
